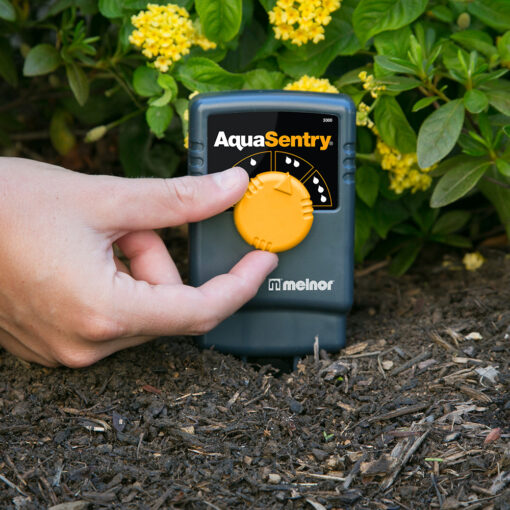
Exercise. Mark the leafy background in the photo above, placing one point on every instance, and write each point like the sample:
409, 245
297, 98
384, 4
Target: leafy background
70, 75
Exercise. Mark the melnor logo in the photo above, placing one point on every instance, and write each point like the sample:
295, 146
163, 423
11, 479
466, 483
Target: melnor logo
279, 285
272, 139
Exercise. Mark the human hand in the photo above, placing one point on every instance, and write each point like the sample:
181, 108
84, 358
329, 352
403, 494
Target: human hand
66, 299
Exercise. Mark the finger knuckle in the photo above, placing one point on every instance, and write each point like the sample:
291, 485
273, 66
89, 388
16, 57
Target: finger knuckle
182, 191
100, 328
75, 357
207, 322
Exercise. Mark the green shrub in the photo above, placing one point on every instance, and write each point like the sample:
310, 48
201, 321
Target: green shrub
428, 78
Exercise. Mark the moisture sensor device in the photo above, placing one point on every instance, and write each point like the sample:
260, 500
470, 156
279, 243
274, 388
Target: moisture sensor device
298, 149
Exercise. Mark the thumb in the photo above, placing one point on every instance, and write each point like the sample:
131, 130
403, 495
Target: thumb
141, 204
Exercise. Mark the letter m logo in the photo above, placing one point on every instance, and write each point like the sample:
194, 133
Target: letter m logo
274, 284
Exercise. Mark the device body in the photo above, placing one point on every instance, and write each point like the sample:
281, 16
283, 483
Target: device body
311, 136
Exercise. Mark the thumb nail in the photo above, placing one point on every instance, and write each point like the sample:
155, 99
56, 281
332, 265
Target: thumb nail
228, 179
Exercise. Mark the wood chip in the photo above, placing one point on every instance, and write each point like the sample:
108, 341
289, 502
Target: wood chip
387, 364
408, 364
441, 342
355, 349
315, 504
402, 453
477, 395
400, 412
492, 436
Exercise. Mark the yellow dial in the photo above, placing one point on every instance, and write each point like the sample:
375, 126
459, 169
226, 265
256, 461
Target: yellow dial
276, 213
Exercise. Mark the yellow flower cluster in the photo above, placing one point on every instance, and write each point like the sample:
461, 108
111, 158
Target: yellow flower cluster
186, 118
166, 33
472, 261
370, 83
301, 21
362, 117
403, 168
310, 84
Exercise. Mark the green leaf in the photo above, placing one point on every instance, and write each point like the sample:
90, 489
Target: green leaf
475, 40
350, 77
503, 167
451, 222
374, 16
221, 19
367, 184
263, 79
398, 84
461, 178
111, 8
61, 136
498, 92
504, 49
7, 66
405, 258
442, 13
475, 101
168, 83
158, 118
393, 43
141, 155
393, 126
452, 240
423, 103
495, 13
439, 133
386, 215
145, 81
7, 11
362, 230
41, 59
205, 75
78, 82
395, 64
268, 4
163, 100
498, 195
314, 59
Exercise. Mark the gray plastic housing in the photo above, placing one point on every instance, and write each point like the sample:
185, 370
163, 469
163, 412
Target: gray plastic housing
285, 322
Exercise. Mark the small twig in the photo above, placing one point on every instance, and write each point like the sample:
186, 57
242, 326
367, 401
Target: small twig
370, 269
211, 505
139, 445
362, 355
323, 477
10, 463
439, 495
408, 364
441, 342
33, 135
11, 485
354, 471
417, 443
400, 412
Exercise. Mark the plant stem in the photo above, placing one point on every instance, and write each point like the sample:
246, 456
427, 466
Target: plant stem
495, 181
124, 119
369, 158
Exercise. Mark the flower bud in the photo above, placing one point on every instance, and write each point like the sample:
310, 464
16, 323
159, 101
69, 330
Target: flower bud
95, 134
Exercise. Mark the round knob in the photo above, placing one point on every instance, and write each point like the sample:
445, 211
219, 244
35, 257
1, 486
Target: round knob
276, 213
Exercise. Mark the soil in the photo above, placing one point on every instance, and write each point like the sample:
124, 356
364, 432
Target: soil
413, 414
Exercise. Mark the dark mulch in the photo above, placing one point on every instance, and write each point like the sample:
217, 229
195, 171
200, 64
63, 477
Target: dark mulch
168, 426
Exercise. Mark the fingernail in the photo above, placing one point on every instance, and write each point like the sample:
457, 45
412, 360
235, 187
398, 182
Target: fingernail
228, 179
